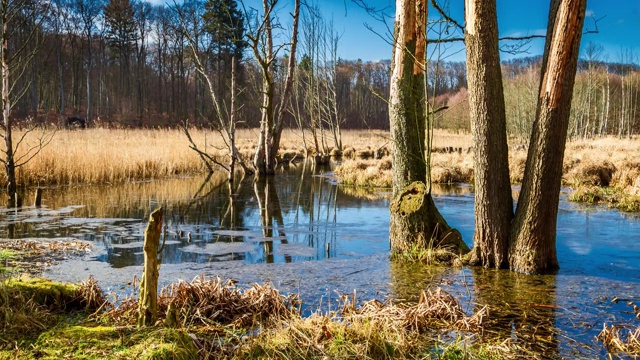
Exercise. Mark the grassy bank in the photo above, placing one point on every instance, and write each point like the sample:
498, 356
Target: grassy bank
606, 170
215, 320
600, 171
111, 156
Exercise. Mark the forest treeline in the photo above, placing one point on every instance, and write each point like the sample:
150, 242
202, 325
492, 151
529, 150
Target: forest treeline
128, 63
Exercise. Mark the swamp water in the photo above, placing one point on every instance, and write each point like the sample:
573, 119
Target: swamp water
307, 235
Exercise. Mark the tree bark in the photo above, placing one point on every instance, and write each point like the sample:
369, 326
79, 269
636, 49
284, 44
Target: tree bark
493, 202
414, 219
148, 298
533, 239
9, 161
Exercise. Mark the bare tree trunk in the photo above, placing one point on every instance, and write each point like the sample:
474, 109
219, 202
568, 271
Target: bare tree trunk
9, 161
415, 223
607, 106
272, 117
89, 64
60, 78
266, 64
622, 109
493, 202
232, 122
533, 241
286, 94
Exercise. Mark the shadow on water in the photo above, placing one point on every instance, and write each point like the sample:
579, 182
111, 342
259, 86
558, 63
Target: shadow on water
306, 234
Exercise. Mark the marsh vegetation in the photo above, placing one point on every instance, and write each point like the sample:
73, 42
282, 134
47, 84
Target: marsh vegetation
278, 226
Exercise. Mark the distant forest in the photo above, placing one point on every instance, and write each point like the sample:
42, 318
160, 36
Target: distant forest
128, 63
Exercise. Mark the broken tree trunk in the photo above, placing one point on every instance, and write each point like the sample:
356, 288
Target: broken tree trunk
148, 298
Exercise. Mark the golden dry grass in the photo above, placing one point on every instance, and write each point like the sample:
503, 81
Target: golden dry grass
107, 156
375, 330
110, 156
606, 162
617, 340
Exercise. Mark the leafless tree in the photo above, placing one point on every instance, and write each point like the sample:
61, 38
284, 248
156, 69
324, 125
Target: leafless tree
266, 53
15, 61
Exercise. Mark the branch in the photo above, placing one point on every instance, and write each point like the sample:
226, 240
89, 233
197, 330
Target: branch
595, 25
203, 156
521, 38
32, 152
446, 17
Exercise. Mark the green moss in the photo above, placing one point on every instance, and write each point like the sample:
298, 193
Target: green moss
6, 254
163, 344
43, 292
612, 196
410, 200
90, 341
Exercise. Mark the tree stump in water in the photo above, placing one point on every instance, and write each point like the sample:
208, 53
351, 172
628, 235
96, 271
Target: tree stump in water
37, 200
416, 224
148, 297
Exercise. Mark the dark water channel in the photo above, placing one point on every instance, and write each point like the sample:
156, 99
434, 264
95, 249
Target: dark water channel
307, 235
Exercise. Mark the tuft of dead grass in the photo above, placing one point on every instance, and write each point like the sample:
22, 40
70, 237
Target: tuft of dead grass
375, 330
365, 173
619, 340
435, 308
31, 305
208, 303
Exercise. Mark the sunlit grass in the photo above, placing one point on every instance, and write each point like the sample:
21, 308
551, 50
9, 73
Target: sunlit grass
112, 156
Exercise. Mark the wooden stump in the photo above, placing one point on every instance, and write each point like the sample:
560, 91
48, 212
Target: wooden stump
148, 297
37, 201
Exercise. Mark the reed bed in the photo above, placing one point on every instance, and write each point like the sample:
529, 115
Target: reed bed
618, 340
605, 170
112, 156
109, 156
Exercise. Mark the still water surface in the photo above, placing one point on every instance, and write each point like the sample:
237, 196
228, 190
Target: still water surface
307, 235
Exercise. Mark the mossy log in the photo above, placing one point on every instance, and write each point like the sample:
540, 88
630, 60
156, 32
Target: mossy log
148, 297
416, 224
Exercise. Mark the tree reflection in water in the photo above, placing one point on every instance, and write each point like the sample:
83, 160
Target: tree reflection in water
522, 310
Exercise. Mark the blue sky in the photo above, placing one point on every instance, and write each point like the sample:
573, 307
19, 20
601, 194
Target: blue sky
619, 26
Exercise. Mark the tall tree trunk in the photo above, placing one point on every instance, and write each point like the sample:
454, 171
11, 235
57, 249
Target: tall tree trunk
493, 202
533, 241
271, 123
9, 161
60, 75
415, 222
89, 65
286, 94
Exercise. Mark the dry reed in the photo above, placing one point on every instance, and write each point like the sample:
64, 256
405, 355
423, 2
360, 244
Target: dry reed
596, 164
208, 303
374, 330
616, 341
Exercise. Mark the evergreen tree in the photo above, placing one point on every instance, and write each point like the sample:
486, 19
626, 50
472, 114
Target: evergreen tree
225, 24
